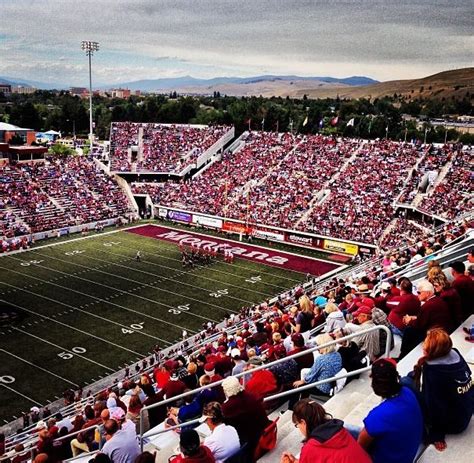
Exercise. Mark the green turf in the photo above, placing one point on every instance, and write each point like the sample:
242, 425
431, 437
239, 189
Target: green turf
84, 296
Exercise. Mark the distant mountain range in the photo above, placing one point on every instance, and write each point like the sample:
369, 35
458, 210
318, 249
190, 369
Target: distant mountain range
457, 84
178, 83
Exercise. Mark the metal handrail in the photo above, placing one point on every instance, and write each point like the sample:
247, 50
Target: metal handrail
172, 428
316, 383
265, 366
67, 436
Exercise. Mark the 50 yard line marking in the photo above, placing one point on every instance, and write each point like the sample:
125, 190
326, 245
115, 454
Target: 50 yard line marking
39, 368
64, 349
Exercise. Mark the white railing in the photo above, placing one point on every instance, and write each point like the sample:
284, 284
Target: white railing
268, 365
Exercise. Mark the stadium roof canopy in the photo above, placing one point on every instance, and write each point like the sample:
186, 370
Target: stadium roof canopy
11, 128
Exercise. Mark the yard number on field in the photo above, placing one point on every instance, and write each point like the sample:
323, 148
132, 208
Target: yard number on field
31, 262
6, 379
179, 309
69, 356
135, 326
219, 293
112, 243
73, 253
254, 280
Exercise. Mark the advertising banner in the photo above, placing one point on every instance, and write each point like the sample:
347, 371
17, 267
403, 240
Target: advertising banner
236, 228
340, 246
302, 240
207, 221
162, 212
180, 216
268, 235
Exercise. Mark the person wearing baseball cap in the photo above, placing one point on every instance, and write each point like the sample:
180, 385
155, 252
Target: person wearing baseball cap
370, 342
393, 430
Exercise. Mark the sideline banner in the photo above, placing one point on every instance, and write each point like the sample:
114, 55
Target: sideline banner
162, 212
180, 216
268, 235
340, 246
236, 228
207, 221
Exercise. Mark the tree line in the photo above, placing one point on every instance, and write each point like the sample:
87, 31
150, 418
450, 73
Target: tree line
373, 118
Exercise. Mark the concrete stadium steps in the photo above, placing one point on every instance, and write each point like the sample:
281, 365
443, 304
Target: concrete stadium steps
460, 449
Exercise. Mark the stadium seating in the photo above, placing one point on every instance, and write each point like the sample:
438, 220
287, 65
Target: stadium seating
58, 193
161, 147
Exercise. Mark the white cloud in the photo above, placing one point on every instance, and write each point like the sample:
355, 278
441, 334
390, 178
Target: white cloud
158, 38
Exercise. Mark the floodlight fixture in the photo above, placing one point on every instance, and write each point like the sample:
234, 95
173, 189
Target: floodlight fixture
90, 47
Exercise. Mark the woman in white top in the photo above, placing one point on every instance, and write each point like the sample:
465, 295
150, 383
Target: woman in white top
224, 440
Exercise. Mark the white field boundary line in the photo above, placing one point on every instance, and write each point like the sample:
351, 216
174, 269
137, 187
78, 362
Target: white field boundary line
83, 357
105, 301
146, 285
22, 395
149, 252
81, 238
38, 367
73, 327
253, 245
18, 288
128, 293
98, 235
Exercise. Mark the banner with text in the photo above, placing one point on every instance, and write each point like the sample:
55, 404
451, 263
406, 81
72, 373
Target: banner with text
340, 246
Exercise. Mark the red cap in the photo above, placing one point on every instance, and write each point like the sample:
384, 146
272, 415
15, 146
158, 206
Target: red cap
363, 309
210, 366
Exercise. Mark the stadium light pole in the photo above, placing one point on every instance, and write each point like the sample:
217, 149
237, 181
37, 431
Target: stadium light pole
90, 47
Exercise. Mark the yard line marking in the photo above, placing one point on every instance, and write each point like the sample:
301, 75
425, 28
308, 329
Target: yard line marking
180, 327
39, 368
64, 349
75, 329
116, 289
23, 395
85, 312
232, 242
164, 278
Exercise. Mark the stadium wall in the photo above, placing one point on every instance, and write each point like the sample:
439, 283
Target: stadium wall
266, 232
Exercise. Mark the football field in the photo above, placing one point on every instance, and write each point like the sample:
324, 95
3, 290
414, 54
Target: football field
82, 309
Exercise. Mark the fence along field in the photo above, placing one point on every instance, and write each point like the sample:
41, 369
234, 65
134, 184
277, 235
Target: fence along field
84, 308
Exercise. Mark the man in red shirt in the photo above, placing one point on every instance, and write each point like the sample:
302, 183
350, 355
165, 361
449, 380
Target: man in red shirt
464, 285
404, 304
434, 313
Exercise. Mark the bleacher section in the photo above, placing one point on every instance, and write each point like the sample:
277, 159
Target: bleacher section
58, 193
346, 189
164, 148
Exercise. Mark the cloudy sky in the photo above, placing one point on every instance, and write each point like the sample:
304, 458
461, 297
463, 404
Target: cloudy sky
147, 39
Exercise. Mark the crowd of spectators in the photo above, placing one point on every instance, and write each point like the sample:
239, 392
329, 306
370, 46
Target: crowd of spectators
433, 160
56, 193
302, 182
360, 207
234, 411
161, 148
454, 195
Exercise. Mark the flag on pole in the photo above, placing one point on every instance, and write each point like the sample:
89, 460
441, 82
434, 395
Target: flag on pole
305, 121
350, 123
334, 121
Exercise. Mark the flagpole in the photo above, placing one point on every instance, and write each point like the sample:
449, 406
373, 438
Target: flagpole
278, 125
445, 134
250, 120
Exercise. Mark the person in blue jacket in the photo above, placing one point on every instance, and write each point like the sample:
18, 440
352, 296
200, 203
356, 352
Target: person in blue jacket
445, 383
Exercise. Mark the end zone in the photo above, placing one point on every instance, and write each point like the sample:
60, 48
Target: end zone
255, 253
